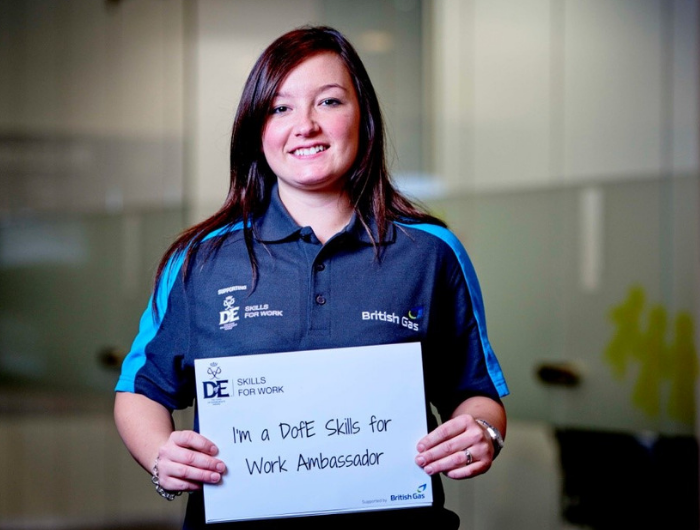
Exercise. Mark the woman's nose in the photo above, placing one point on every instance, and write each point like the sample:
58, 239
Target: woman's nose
306, 123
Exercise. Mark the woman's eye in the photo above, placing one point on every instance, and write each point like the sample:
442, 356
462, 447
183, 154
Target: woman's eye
330, 102
279, 109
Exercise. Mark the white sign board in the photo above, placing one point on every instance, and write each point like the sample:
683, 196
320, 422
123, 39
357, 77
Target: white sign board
314, 432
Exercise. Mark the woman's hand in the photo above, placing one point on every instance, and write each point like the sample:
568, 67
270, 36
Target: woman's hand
186, 461
460, 448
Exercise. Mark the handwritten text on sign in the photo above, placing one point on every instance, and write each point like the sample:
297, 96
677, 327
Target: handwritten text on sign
322, 431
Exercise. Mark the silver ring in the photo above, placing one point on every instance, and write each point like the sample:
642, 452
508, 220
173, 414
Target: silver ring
470, 458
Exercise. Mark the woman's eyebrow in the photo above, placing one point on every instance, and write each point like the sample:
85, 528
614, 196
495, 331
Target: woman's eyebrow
320, 89
332, 85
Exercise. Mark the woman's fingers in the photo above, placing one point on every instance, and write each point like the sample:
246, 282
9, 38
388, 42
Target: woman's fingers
186, 460
444, 433
179, 477
193, 440
445, 444
458, 448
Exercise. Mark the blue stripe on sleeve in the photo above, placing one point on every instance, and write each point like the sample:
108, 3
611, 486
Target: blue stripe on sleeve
149, 324
492, 365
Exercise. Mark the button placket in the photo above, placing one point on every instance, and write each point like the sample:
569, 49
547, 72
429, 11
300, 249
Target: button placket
321, 282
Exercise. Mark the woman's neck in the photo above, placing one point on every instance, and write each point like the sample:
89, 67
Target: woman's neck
326, 213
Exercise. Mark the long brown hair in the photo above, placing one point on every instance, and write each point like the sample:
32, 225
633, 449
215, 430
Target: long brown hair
368, 183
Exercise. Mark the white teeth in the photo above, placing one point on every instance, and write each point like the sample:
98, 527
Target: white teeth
308, 151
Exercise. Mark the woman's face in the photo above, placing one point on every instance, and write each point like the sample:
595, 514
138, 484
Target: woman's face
311, 137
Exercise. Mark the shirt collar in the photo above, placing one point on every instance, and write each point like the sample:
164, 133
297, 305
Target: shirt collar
277, 225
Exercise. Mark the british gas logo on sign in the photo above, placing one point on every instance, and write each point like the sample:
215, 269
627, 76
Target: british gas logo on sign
418, 494
215, 389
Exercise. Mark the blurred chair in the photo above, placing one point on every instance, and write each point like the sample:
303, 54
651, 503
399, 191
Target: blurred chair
624, 480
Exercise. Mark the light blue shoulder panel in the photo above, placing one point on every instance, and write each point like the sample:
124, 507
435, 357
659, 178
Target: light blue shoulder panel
149, 324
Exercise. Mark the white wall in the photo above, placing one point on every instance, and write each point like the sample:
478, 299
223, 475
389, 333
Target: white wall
535, 92
91, 104
85, 67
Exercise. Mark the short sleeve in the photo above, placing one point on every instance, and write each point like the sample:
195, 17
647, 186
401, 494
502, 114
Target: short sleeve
155, 364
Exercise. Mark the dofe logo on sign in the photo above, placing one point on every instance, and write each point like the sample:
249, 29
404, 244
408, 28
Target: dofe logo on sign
217, 388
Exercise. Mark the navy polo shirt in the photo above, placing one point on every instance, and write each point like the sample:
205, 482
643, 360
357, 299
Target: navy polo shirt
418, 285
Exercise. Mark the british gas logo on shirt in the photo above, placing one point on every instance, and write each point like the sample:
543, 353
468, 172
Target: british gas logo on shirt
409, 321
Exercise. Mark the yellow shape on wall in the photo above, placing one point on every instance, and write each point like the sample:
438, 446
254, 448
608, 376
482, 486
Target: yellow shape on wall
628, 338
683, 370
651, 355
675, 364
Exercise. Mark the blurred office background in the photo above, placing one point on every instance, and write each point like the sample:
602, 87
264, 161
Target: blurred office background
558, 138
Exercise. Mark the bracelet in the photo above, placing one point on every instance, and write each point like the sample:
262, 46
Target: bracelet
494, 434
166, 494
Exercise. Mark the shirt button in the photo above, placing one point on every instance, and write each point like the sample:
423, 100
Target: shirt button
320, 299
320, 267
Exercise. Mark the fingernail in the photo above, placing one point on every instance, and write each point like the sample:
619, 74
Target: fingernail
420, 448
215, 477
428, 470
420, 461
220, 467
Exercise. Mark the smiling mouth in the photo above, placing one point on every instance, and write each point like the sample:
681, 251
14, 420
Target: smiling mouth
308, 151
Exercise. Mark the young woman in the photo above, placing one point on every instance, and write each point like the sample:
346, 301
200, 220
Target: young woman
313, 228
